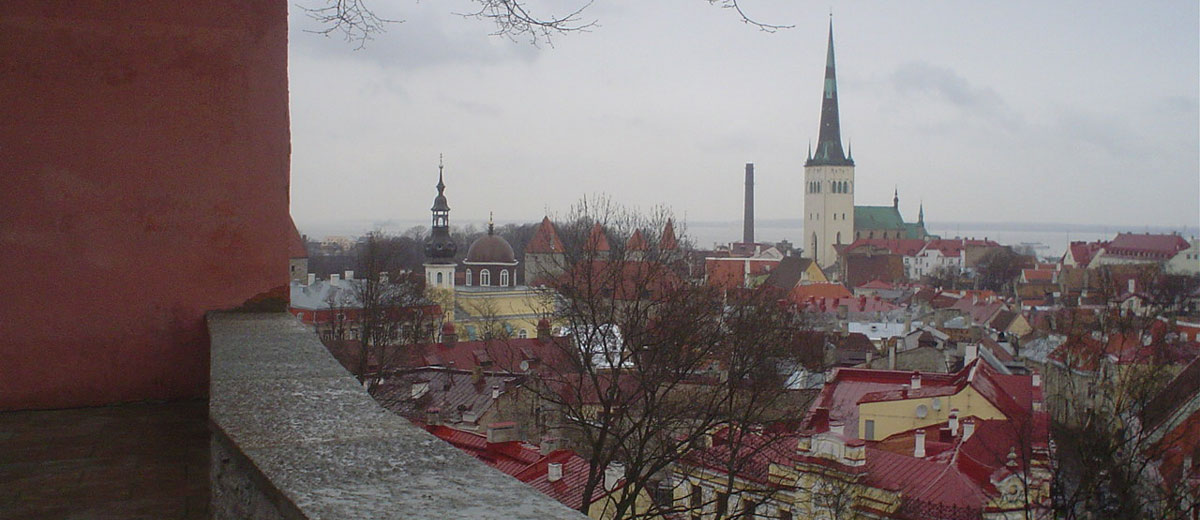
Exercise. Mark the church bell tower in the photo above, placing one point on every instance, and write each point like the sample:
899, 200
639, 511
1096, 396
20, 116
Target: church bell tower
829, 180
440, 248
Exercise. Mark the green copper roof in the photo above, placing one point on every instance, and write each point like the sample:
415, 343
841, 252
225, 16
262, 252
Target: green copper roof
877, 217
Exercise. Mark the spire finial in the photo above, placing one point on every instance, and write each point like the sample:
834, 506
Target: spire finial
810, 149
849, 150
491, 224
441, 186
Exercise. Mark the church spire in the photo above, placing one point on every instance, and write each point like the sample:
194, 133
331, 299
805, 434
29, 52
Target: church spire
829, 140
896, 198
921, 214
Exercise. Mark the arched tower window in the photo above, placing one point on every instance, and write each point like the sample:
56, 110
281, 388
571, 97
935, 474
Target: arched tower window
504, 278
468, 277
839, 237
814, 246
439, 278
485, 277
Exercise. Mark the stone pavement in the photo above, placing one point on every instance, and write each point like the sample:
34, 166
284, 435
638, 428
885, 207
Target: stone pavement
126, 461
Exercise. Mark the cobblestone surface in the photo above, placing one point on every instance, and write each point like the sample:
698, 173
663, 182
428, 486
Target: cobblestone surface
129, 461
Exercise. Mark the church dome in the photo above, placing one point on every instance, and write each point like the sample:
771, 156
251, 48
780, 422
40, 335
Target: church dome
490, 249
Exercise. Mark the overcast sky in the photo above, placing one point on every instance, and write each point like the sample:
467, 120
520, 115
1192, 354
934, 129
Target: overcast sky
1068, 112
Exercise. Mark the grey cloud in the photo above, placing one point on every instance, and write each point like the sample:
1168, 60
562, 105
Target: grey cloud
945, 85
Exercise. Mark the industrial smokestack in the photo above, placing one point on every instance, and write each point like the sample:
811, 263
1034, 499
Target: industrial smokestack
748, 218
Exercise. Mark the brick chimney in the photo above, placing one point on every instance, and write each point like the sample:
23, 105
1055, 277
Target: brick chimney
543, 330
449, 334
919, 444
501, 432
748, 217
554, 471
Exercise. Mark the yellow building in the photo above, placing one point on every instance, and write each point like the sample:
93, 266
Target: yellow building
888, 444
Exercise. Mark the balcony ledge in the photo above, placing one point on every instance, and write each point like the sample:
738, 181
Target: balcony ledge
296, 437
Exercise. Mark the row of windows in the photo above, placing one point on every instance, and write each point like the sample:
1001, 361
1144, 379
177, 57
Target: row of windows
834, 186
485, 278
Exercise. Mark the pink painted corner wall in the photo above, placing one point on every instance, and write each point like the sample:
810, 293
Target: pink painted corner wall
144, 148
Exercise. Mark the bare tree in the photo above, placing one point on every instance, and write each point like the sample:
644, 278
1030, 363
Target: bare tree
513, 19
660, 362
1105, 381
391, 308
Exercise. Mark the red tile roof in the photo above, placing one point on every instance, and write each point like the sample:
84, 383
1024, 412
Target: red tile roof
524, 462
1083, 252
597, 240
903, 247
545, 239
636, 242
1160, 247
669, 241
505, 355
801, 293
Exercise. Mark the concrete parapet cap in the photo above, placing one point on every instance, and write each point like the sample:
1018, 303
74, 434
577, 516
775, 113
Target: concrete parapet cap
327, 449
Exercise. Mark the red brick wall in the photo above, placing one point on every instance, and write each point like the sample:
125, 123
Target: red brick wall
145, 155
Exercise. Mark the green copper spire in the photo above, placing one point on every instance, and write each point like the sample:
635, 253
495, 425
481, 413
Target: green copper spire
829, 141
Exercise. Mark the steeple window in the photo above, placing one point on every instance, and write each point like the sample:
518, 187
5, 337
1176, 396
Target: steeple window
504, 278
485, 277
468, 277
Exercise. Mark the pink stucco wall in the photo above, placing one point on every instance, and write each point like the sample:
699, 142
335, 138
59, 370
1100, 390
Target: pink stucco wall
144, 148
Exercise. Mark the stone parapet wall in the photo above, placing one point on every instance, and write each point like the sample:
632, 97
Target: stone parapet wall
296, 436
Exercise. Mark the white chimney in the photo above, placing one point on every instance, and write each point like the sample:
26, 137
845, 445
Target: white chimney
613, 474
383, 277
349, 274
837, 427
919, 444
334, 277
554, 471
312, 278
953, 423
968, 428
970, 352
495, 391
1037, 379
916, 380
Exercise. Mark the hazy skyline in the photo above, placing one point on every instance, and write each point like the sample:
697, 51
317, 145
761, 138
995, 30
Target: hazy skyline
1072, 113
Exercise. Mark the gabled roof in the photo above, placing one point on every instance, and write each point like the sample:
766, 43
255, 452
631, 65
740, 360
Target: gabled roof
1082, 252
669, 242
636, 242
545, 239
525, 462
902, 247
597, 239
801, 293
1154, 246
788, 273
877, 217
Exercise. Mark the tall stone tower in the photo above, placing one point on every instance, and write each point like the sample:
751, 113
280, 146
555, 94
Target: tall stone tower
829, 180
440, 248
